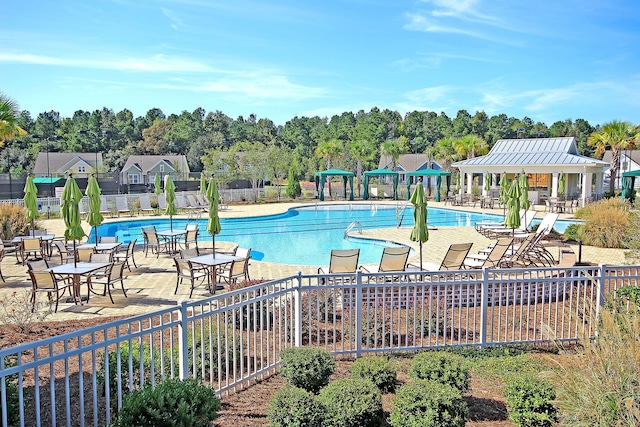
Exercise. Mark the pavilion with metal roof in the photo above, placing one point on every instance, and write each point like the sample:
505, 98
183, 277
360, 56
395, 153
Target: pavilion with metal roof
543, 160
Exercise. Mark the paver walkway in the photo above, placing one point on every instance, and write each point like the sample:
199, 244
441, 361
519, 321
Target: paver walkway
151, 286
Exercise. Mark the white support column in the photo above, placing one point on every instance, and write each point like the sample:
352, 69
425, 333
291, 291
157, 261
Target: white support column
599, 184
554, 184
584, 185
469, 182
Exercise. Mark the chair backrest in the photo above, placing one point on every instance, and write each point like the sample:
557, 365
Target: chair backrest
43, 279
454, 258
243, 252
84, 254
162, 201
183, 267
342, 260
100, 257
526, 218
547, 223
525, 246
108, 239
189, 253
192, 235
37, 265
394, 258
31, 244
131, 247
121, 203
145, 202
498, 251
149, 234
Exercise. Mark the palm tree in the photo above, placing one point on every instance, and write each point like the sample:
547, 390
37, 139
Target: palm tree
394, 148
362, 151
616, 136
470, 145
9, 111
328, 150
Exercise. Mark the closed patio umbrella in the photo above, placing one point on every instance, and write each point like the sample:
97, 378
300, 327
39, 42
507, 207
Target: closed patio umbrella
213, 225
504, 188
70, 210
487, 181
95, 218
512, 217
458, 183
561, 184
31, 201
420, 232
203, 184
170, 196
157, 188
523, 182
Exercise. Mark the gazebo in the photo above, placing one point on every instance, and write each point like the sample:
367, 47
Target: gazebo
321, 179
543, 160
430, 172
378, 173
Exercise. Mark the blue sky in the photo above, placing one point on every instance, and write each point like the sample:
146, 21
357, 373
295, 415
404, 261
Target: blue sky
548, 60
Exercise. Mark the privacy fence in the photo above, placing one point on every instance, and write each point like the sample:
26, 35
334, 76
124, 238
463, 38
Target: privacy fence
229, 341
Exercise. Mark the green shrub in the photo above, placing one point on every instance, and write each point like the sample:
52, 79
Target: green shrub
132, 355
351, 402
295, 407
425, 403
529, 400
572, 232
443, 367
307, 367
378, 369
12, 398
608, 223
171, 403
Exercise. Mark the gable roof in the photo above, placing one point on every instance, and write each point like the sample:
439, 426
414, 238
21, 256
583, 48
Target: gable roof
551, 154
409, 162
61, 162
147, 163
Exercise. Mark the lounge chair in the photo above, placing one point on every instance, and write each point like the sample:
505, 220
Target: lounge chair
453, 259
145, 204
493, 258
104, 207
342, 261
194, 203
393, 259
526, 219
162, 202
122, 206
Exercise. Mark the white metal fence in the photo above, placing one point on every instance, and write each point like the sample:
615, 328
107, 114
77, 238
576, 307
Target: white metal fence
233, 339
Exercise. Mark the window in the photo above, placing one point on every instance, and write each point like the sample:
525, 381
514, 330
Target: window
161, 168
82, 169
133, 178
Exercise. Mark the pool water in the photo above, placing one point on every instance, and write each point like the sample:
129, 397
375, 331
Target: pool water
305, 236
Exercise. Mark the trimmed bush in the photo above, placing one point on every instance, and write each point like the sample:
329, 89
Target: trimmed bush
351, 402
295, 407
171, 403
443, 367
378, 369
425, 403
529, 400
306, 367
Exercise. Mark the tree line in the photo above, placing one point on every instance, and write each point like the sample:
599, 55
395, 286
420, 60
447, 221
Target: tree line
255, 148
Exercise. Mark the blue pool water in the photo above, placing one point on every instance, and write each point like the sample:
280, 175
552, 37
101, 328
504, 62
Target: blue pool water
305, 236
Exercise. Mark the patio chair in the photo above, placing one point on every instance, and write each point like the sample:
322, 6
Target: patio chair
492, 259
193, 202
31, 246
113, 275
393, 259
186, 270
153, 242
47, 282
202, 201
127, 256
84, 254
237, 269
145, 204
453, 258
191, 238
62, 251
342, 261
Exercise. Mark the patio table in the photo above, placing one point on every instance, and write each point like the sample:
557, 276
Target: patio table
101, 247
76, 271
172, 236
214, 262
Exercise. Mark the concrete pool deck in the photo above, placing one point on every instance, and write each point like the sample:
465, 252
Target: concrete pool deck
151, 286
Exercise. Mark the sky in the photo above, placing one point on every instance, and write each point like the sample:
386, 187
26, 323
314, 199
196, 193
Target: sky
548, 60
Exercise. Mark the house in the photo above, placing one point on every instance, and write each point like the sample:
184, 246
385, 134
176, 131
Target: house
543, 160
59, 165
629, 161
143, 169
409, 163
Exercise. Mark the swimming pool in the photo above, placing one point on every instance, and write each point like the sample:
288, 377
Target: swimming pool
305, 236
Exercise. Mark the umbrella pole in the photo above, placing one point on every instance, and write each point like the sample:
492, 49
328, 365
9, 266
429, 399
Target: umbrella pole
420, 255
213, 238
171, 222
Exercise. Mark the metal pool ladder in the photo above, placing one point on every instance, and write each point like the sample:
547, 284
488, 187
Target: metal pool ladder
351, 226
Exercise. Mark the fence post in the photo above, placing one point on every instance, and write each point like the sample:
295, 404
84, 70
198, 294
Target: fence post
484, 307
297, 307
183, 341
358, 302
600, 289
